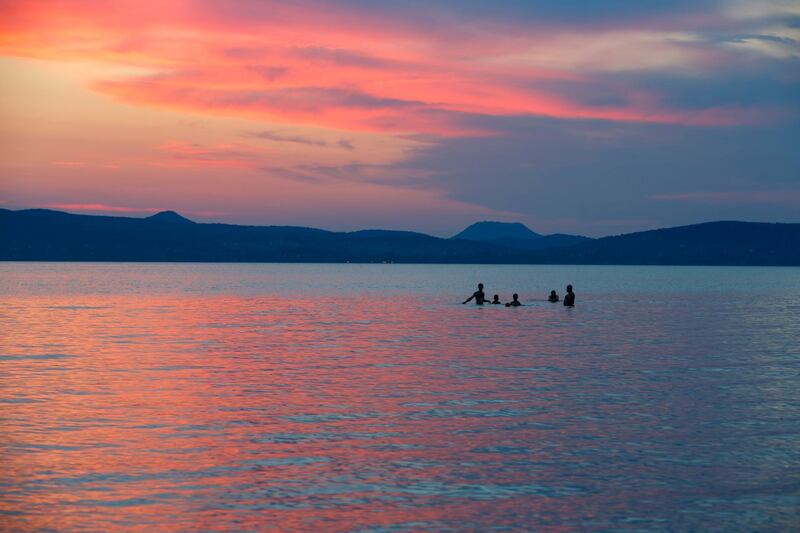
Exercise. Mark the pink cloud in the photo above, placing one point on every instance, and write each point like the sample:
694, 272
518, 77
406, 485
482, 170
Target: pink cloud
308, 63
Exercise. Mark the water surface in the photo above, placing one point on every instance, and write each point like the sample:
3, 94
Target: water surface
366, 398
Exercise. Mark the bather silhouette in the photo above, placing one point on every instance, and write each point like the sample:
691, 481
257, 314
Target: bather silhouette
479, 296
553, 296
496, 300
569, 298
514, 302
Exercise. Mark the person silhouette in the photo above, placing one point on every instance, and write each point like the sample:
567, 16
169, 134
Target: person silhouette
553, 296
569, 298
496, 300
514, 302
479, 296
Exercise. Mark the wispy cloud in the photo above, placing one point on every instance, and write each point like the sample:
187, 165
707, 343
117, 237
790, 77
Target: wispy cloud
294, 139
182, 153
405, 107
299, 139
761, 9
373, 71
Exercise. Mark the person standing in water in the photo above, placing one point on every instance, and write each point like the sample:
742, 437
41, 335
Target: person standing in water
514, 302
496, 300
569, 298
479, 296
553, 297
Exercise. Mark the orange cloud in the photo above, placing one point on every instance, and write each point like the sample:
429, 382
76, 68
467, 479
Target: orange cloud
308, 63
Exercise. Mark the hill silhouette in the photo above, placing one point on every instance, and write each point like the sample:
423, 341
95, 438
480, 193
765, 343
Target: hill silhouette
170, 217
711, 243
516, 235
490, 231
45, 235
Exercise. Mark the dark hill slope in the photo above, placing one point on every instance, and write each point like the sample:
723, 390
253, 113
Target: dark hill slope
556, 240
491, 231
516, 235
711, 243
170, 216
43, 235
36, 234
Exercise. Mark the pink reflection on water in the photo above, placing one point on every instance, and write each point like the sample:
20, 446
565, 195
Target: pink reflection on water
336, 413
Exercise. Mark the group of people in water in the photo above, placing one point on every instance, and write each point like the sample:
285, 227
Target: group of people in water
480, 298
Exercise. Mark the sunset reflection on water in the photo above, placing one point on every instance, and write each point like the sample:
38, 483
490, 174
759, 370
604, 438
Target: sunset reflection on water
371, 412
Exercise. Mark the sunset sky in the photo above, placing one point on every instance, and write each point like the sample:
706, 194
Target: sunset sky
572, 116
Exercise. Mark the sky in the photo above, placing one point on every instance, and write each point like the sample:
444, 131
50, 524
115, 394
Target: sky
571, 116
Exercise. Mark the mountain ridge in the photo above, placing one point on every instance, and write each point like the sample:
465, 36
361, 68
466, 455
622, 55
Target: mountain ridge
489, 230
48, 235
729, 242
516, 235
170, 217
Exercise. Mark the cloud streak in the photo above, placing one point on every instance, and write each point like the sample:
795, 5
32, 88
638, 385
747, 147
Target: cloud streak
354, 69
611, 115
344, 144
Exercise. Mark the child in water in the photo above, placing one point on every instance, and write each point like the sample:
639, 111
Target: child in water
514, 302
496, 300
553, 296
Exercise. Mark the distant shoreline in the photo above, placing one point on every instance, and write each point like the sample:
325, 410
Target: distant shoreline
167, 237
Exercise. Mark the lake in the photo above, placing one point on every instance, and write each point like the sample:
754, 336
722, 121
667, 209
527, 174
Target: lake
254, 397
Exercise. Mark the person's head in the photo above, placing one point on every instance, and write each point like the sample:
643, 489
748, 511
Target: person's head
552, 293
569, 288
515, 296
496, 296
480, 286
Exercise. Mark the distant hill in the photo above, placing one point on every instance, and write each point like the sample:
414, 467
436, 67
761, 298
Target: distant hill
557, 240
170, 217
44, 235
490, 231
516, 235
711, 243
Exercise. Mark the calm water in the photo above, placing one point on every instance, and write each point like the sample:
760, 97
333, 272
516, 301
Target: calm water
365, 398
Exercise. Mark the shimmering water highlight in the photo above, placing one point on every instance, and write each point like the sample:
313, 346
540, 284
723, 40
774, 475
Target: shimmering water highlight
365, 398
